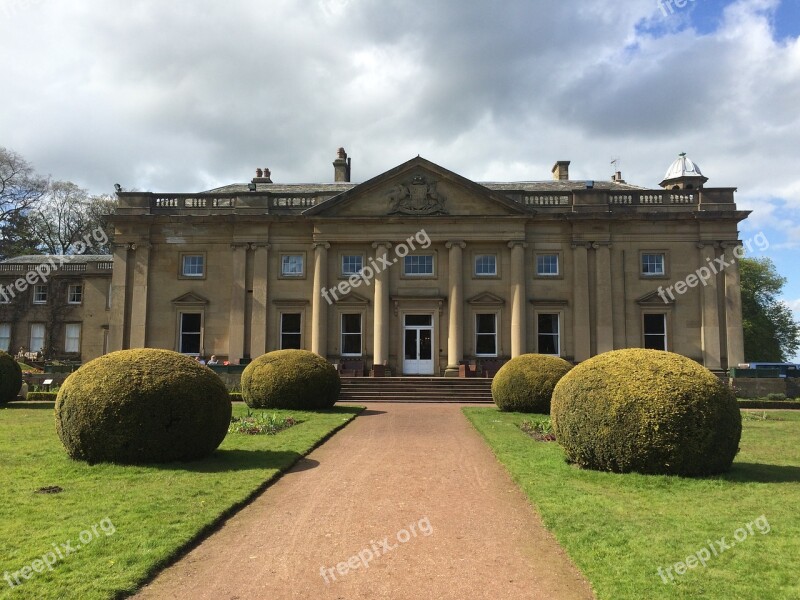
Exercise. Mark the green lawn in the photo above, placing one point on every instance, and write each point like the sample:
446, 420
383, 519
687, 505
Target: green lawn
141, 515
620, 529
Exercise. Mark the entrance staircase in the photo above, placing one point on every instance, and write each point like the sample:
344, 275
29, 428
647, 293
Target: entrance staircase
416, 389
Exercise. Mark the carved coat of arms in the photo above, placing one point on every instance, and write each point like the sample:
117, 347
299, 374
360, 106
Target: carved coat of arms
416, 198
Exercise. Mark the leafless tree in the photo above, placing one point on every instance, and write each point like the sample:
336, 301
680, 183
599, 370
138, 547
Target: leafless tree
68, 214
21, 189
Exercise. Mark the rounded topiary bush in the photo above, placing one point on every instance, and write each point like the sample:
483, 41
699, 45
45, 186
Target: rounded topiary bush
525, 383
294, 379
10, 377
646, 411
142, 406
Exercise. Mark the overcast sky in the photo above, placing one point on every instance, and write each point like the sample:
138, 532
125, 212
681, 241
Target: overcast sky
186, 96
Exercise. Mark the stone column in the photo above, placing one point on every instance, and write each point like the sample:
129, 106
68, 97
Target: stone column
519, 338
141, 277
236, 323
380, 353
319, 306
712, 351
455, 323
258, 322
119, 318
604, 327
580, 316
733, 306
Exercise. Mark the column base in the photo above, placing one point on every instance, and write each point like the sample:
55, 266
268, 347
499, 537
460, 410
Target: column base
451, 371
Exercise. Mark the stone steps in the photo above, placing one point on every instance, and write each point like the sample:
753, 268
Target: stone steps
416, 389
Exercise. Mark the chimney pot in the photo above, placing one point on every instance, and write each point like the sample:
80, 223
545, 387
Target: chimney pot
259, 173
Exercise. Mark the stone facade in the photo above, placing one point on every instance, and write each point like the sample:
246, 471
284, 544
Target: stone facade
55, 304
452, 270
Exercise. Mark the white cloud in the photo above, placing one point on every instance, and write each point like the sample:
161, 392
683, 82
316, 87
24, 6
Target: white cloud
177, 96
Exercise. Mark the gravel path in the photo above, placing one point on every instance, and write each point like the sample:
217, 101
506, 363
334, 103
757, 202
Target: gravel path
411, 497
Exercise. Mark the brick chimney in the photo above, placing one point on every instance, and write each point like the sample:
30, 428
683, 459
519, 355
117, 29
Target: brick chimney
617, 177
262, 176
561, 170
341, 166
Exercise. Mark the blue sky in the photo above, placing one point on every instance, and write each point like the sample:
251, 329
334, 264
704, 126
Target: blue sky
185, 96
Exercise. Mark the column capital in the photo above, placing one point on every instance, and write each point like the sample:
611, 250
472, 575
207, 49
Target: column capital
386, 245
584, 245
515, 243
257, 245
236, 245
324, 245
730, 244
455, 243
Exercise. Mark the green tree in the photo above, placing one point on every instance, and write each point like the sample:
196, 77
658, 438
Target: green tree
770, 332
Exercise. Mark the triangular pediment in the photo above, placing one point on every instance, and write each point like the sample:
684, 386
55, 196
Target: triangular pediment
418, 189
190, 299
351, 298
486, 299
655, 298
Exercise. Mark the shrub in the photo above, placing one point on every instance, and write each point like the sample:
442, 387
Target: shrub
646, 411
41, 396
10, 377
293, 379
776, 397
142, 406
525, 383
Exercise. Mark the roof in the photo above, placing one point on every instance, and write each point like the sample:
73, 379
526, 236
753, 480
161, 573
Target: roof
338, 188
35, 259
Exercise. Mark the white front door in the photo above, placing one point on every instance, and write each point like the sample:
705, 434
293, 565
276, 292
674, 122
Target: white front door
418, 345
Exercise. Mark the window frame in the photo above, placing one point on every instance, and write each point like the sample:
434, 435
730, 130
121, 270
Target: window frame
664, 264
432, 275
347, 274
281, 331
479, 255
181, 332
295, 276
36, 289
360, 334
10, 335
496, 333
558, 335
80, 293
67, 338
30, 336
559, 274
666, 335
181, 265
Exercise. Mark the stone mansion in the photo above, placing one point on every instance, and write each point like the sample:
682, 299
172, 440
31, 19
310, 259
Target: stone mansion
416, 269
